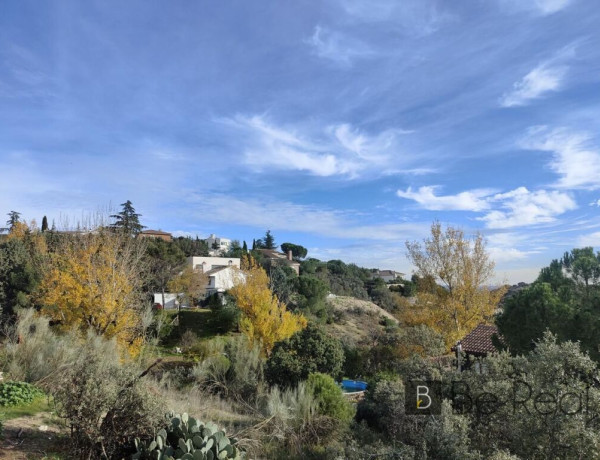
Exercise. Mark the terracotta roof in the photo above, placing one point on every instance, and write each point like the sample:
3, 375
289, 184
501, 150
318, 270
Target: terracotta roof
479, 340
155, 232
273, 253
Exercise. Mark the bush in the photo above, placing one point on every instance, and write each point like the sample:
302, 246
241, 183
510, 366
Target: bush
235, 372
105, 403
188, 340
329, 397
17, 393
225, 318
308, 351
34, 351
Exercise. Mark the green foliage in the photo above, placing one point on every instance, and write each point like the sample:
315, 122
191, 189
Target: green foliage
381, 295
14, 218
191, 246
330, 399
282, 282
268, 242
561, 423
20, 273
391, 348
184, 437
298, 252
445, 436
234, 370
308, 351
16, 393
529, 313
312, 293
565, 300
127, 220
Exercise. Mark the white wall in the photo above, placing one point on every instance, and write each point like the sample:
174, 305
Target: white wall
223, 280
208, 263
169, 300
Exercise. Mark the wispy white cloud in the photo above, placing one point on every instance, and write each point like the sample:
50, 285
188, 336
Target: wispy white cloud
413, 17
551, 6
516, 208
520, 207
574, 159
590, 239
472, 200
509, 247
541, 80
337, 47
539, 7
289, 216
338, 150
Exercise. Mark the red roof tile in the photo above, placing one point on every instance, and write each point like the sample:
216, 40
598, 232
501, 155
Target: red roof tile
479, 340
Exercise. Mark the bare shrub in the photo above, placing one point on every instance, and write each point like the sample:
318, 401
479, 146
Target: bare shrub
34, 351
104, 402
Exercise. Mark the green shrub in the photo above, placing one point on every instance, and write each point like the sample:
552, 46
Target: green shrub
17, 393
185, 437
330, 399
308, 351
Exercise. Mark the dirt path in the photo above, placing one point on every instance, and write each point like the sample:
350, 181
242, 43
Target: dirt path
32, 437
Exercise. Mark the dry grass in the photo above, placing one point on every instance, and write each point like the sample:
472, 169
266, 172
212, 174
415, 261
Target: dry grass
360, 319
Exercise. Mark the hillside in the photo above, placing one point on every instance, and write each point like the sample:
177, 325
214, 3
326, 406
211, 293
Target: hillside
357, 320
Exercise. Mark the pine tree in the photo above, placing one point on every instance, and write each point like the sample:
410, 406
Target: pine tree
245, 247
269, 240
253, 244
127, 220
44, 224
13, 219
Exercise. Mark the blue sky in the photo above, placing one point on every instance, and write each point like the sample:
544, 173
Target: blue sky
344, 126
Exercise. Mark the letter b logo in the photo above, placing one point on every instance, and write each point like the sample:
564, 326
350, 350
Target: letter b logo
422, 397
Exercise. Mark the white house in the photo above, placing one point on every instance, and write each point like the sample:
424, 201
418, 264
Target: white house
223, 278
205, 264
169, 300
387, 275
216, 245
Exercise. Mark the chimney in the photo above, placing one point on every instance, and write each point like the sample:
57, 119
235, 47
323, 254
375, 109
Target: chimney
289, 255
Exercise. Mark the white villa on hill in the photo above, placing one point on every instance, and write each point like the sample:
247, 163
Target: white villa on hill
205, 264
222, 272
217, 245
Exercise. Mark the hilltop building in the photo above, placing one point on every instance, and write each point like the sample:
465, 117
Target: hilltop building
217, 246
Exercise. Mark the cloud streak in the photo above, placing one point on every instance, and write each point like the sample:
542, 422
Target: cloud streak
337, 47
289, 216
338, 150
574, 159
516, 208
473, 200
543, 79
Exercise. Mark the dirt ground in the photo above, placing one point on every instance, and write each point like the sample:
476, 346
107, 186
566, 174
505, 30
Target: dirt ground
359, 321
24, 440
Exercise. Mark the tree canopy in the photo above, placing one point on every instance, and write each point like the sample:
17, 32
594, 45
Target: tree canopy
463, 267
127, 220
299, 252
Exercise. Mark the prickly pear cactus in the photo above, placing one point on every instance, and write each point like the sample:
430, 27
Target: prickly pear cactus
188, 439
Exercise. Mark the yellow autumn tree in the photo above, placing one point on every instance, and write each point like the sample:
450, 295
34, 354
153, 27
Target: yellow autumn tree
93, 282
264, 318
191, 283
463, 269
